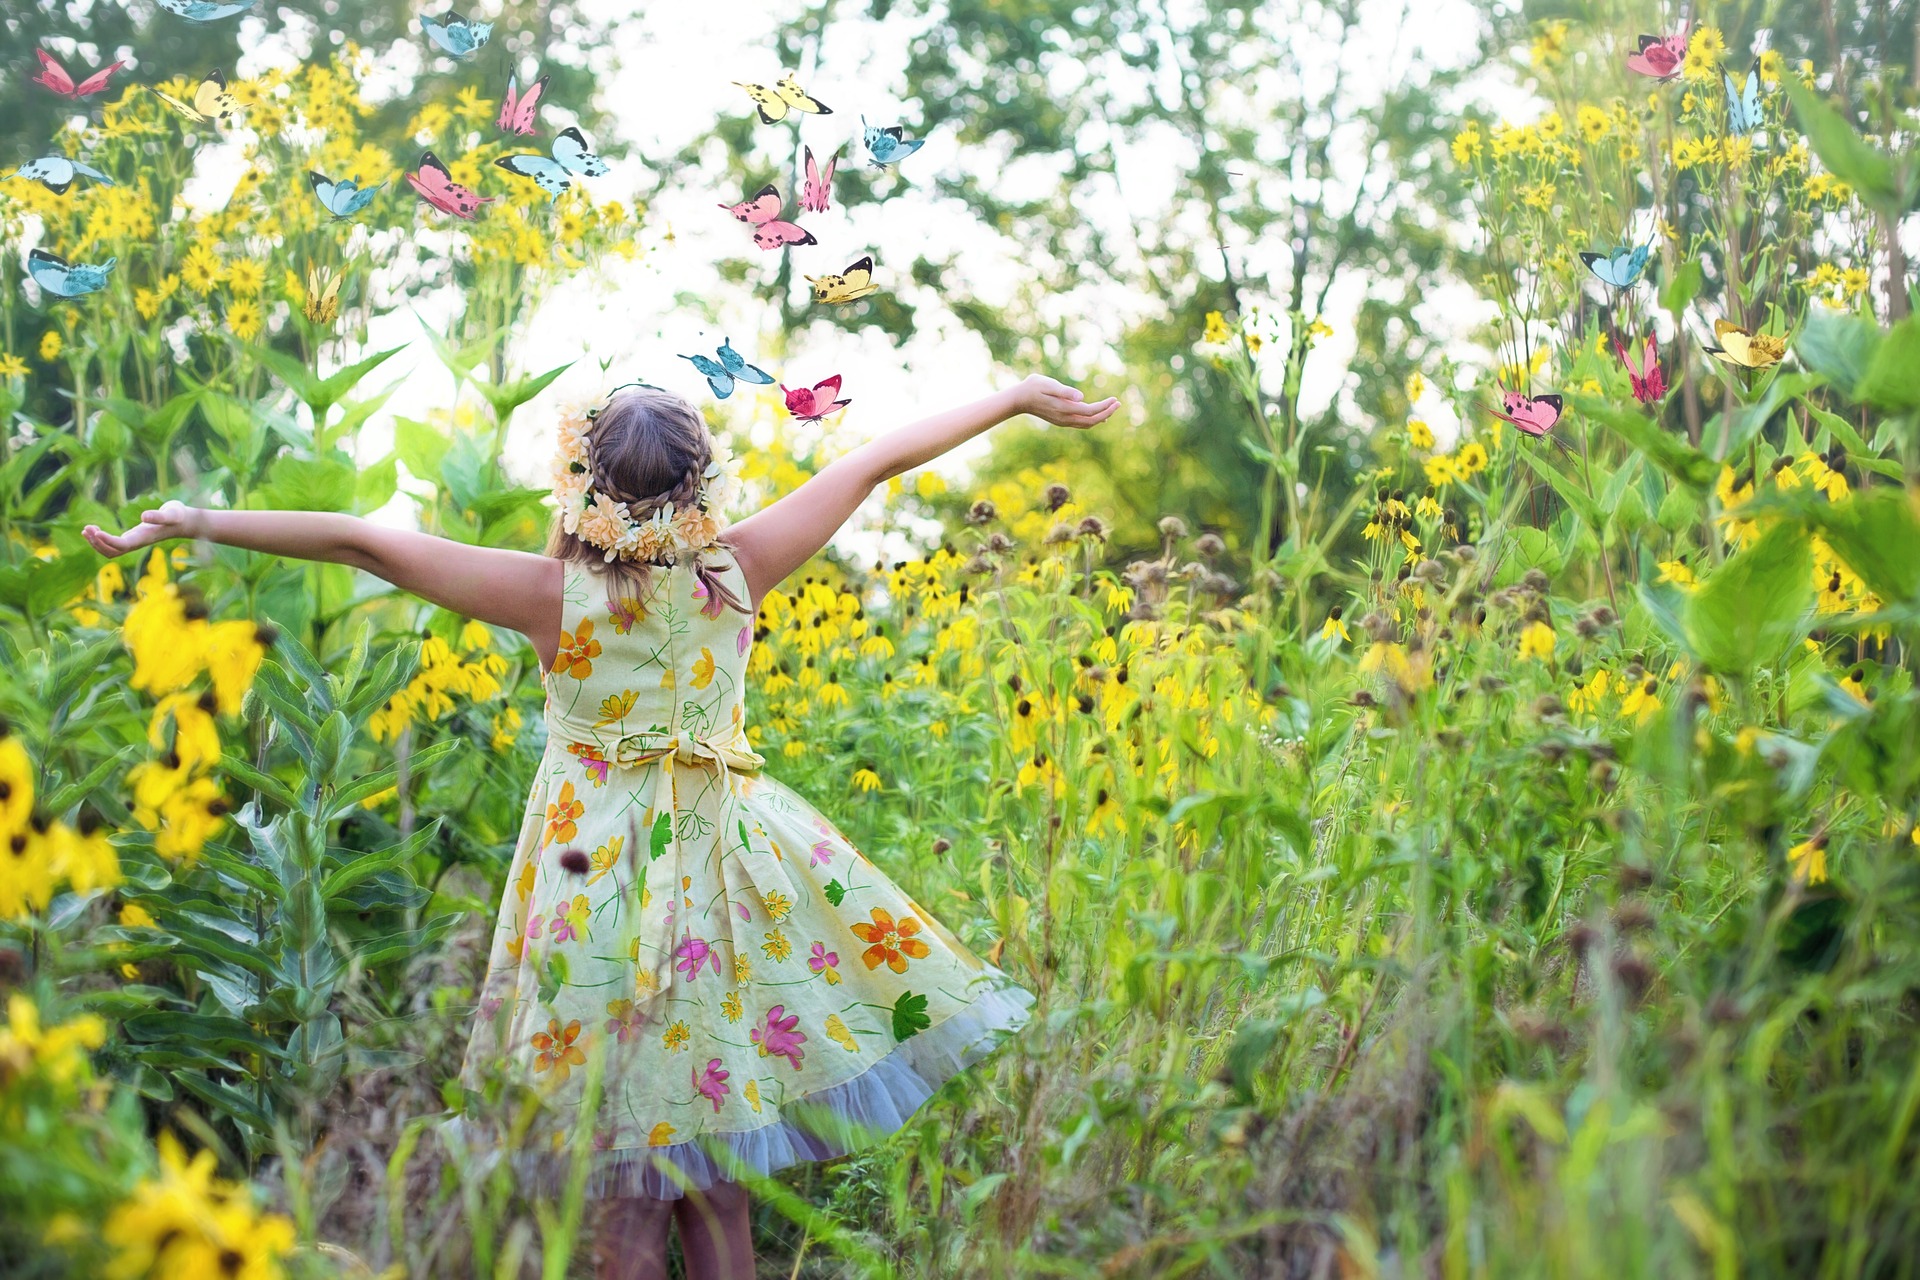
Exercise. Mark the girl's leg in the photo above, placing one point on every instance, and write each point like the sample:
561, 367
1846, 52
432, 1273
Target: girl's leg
632, 1241
716, 1233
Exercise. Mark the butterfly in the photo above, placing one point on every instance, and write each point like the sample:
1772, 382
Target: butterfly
810, 404
730, 368
1534, 415
1743, 104
889, 145
1648, 379
211, 101
455, 35
204, 10
437, 187
342, 199
851, 285
571, 155
1660, 56
55, 77
1621, 268
322, 304
56, 173
816, 195
518, 110
67, 279
784, 96
1745, 350
762, 212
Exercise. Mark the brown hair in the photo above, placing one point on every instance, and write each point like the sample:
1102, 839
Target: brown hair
646, 447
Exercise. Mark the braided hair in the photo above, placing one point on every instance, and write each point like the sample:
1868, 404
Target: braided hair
647, 448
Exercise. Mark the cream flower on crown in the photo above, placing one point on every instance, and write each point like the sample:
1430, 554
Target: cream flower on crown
601, 522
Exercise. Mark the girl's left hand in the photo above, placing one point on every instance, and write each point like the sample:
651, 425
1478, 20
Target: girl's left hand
1054, 401
170, 520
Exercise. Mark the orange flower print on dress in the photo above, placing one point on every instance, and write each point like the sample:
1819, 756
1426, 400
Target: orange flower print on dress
563, 814
557, 1051
703, 668
892, 943
578, 649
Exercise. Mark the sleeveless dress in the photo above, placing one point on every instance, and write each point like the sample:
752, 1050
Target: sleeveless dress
745, 987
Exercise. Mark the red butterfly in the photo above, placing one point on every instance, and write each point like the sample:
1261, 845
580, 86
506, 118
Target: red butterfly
1648, 379
1534, 415
1660, 56
55, 77
815, 196
762, 213
810, 404
518, 110
437, 187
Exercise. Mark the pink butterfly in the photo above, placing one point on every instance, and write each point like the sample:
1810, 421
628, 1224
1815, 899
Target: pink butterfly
437, 187
1648, 379
810, 404
815, 196
1660, 56
55, 77
762, 213
1534, 415
518, 110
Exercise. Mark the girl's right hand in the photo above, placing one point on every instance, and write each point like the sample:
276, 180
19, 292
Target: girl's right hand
1054, 401
173, 519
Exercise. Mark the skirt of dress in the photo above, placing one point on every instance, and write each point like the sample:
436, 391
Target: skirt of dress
739, 987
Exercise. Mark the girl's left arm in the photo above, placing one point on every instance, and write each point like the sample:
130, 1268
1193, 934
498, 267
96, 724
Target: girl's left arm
514, 589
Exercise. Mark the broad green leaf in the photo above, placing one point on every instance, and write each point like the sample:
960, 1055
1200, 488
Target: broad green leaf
420, 446
1847, 155
307, 484
1838, 345
1892, 380
1571, 491
509, 396
1877, 533
377, 484
1754, 605
461, 361
1662, 448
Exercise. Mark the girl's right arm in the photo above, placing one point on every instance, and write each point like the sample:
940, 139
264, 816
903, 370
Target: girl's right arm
514, 589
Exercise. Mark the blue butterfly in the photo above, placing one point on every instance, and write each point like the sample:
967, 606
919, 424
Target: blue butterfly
730, 368
889, 145
1621, 268
1743, 105
342, 199
67, 279
571, 155
56, 173
205, 10
455, 35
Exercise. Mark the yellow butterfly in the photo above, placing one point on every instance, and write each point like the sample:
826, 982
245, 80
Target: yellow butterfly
1745, 350
211, 101
851, 285
323, 296
785, 95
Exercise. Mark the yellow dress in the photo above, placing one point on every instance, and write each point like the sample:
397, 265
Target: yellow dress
750, 987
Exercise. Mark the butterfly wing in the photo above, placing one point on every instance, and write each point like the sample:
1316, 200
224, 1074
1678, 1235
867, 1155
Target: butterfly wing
1611, 268
55, 173
772, 235
203, 10
571, 149
859, 280
212, 100
715, 373
1743, 105
49, 271
97, 81
437, 187
519, 111
54, 76
736, 364
183, 108
773, 108
550, 174
1543, 412
817, 195
763, 206
827, 388
794, 96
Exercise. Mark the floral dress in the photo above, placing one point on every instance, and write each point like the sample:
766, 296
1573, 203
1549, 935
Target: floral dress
747, 987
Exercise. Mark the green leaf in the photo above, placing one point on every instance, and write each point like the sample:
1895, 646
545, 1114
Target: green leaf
1848, 156
1754, 605
1878, 535
1570, 491
509, 396
836, 892
1892, 380
321, 394
1683, 287
910, 1016
1838, 345
420, 446
660, 836
461, 361
307, 484
1669, 452
376, 484
265, 783
365, 866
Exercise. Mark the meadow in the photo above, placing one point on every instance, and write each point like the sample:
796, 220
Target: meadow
1446, 845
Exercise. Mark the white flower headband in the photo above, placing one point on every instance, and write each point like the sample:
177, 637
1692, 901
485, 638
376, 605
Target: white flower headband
598, 520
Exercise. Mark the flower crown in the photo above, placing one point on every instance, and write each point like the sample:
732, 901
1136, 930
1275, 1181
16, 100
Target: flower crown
598, 520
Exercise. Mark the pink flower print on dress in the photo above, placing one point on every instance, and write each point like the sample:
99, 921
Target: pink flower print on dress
570, 923
822, 855
779, 1038
826, 963
693, 953
623, 1020
745, 639
711, 1083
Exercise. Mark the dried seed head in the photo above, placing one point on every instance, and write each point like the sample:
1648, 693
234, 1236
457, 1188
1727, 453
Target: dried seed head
1430, 571
1535, 581
940, 845
1061, 532
1000, 543
1546, 706
981, 512
1633, 915
1058, 495
1093, 527
1172, 527
1209, 545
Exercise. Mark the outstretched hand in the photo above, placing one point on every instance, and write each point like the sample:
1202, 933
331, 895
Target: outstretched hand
170, 520
1054, 401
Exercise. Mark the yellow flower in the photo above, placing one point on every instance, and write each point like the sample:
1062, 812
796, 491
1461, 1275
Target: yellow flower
777, 947
201, 270
1704, 51
1334, 628
1467, 144
1809, 859
1472, 459
1678, 572
703, 668
244, 319
1771, 66
866, 779
1319, 329
661, 1135
1216, 331
676, 1036
778, 905
1536, 642
246, 277
837, 1032
1419, 434
12, 366
50, 345
1593, 123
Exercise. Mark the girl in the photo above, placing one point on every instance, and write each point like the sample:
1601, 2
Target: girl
681, 937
